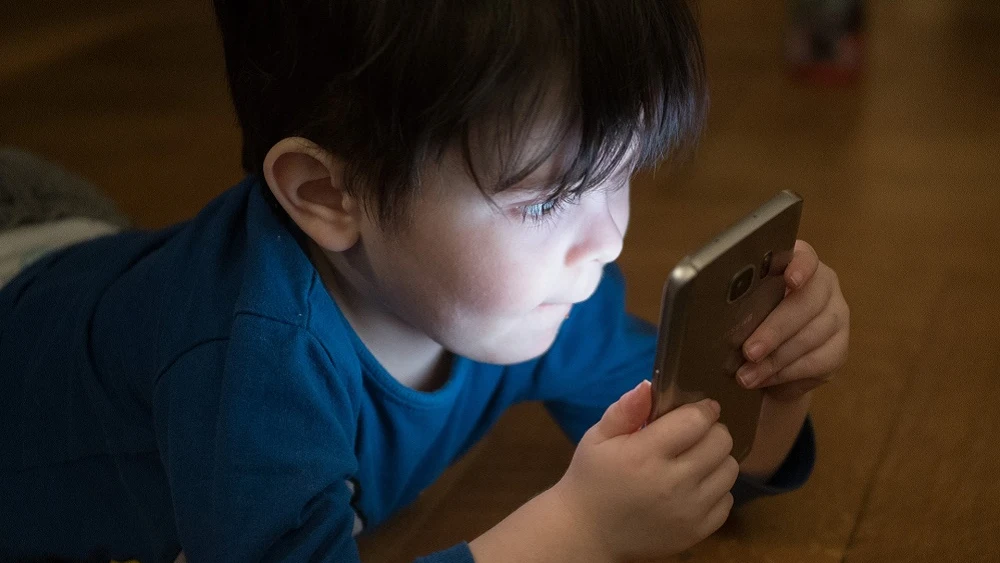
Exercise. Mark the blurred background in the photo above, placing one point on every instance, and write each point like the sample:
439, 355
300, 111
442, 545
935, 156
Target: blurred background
898, 166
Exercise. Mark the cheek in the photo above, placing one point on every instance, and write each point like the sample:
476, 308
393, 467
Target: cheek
499, 277
453, 277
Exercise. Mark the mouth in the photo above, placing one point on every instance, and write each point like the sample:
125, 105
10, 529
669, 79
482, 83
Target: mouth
569, 304
586, 296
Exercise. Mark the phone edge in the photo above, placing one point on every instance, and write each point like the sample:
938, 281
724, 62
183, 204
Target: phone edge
768, 210
673, 316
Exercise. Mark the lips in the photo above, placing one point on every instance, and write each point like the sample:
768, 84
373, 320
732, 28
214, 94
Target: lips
570, 302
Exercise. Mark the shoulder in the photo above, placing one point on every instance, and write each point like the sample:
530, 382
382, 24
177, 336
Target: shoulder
265, 360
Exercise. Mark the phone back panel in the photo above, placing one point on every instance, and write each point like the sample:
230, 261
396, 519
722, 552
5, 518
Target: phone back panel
702, 328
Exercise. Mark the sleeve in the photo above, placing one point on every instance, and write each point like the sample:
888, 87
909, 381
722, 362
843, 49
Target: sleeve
253, 434
604, 352
458, 554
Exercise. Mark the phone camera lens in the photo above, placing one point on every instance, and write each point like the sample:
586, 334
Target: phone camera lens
765, 266
741, 283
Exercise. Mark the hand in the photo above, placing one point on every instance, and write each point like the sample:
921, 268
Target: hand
646, 492
801, 343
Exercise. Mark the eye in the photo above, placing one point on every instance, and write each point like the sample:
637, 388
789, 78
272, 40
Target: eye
539, 210
548, 209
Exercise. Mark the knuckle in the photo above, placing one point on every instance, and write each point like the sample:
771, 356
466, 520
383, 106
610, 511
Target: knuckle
688, 419
718, 518
700, 416
732, 468
767, 365
831, 286
836, 318
725, 437
779, 377
840, 312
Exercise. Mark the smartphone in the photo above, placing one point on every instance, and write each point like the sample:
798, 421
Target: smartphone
712, 302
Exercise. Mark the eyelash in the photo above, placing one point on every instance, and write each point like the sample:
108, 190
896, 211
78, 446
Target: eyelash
547, 209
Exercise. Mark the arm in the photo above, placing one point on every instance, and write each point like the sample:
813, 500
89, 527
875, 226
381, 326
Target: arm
255, 456
541, 530
779, 427
256, 433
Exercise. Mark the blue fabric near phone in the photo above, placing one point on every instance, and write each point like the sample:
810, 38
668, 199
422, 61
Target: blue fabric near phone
197, 386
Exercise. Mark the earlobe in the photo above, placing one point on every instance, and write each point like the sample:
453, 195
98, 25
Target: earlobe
308, 184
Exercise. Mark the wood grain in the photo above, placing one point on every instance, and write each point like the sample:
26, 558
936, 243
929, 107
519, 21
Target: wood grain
899, 174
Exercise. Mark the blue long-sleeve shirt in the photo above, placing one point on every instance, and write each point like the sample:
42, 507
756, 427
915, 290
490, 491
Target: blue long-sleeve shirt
197, 387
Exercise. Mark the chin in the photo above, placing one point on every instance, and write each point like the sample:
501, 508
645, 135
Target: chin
508, 353
505, 343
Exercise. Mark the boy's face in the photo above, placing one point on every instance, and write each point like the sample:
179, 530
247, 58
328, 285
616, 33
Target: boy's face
480, 279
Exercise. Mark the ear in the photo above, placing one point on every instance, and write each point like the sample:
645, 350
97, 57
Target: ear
308, 183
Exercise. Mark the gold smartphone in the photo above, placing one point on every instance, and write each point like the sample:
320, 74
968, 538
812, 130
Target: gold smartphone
712, 302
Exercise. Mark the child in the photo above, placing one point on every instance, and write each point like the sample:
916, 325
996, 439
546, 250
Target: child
435, 196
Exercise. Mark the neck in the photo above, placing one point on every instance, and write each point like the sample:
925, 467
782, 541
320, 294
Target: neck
409, 356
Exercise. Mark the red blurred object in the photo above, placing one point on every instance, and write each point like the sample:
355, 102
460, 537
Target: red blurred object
824, 42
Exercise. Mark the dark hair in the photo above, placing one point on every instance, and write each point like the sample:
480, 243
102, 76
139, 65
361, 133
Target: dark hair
389, 85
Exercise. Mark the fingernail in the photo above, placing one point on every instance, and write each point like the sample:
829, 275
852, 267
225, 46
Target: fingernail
754, 351
795, 278
746, 375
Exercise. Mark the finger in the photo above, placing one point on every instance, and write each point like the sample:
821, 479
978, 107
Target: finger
625, 415
818, 364
721, 480
794, 312
716, 516
812, 336
803, 265
704, 457
681, 428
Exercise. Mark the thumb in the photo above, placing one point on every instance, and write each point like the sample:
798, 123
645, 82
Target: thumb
627, 414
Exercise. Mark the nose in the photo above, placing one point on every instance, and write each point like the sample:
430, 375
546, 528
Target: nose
601, 230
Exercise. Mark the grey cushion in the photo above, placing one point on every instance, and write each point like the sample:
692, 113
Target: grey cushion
34, 190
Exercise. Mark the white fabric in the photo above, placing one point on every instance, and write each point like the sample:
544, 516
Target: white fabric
21, 246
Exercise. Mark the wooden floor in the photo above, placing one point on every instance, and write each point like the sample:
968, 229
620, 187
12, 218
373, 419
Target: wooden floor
899, 175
